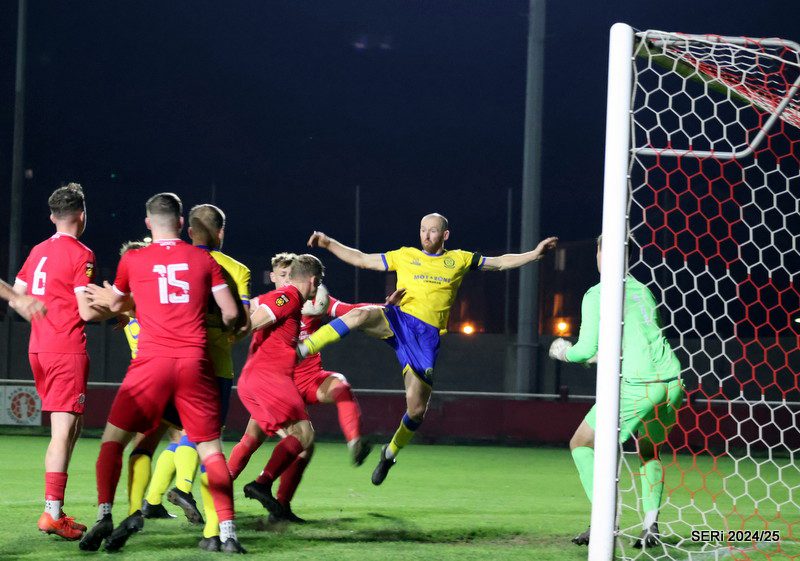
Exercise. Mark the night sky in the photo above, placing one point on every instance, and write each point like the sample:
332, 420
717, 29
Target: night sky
278, 110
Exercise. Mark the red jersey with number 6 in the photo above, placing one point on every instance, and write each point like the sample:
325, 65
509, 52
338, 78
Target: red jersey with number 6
170, 281
54, 272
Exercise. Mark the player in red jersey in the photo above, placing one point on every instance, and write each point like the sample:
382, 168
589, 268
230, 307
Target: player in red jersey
316, 385
56, 273
266, 387
172, 281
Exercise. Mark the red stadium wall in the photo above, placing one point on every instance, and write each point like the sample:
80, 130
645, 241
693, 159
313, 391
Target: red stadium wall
704, 426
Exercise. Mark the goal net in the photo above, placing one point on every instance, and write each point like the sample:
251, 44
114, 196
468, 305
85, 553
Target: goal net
713, 229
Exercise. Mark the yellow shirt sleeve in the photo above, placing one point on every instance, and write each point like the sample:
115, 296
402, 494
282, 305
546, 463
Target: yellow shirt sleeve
390, 259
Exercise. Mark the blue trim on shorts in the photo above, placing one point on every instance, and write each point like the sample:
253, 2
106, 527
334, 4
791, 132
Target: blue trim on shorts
172, 446
415, 342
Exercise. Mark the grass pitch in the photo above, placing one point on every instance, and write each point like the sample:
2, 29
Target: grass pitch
439, 502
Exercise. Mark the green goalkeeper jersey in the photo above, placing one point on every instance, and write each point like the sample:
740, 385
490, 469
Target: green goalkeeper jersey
646, 353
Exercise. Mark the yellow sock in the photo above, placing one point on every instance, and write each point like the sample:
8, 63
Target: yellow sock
138, 478
162, 475
326, 335
403, 436
186, 461
212, 522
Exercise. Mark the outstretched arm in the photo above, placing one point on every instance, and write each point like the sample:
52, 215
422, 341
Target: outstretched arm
515, 260
350, 255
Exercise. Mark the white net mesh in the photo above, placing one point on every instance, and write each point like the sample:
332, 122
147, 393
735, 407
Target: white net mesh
714, 232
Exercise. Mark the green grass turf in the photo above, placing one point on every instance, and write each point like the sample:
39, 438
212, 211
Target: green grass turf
439, 502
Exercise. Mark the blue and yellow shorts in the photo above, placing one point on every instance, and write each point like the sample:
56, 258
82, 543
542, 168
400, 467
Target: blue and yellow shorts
415, 342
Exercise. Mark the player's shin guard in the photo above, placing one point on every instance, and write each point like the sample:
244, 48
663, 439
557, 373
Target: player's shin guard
290, 479
186, 462
326, 335
241, 454
220, 486
211, 528
652, 481
162, 474
349, 411
282, 457
55, 483
108, 469
138, 478
583, 456
403, 436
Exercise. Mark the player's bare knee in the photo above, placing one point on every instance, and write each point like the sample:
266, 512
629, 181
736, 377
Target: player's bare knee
208, 448
302, 431
416, 410
355, 318
583, 437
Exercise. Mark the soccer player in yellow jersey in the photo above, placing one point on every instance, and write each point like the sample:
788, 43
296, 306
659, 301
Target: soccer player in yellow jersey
431, 277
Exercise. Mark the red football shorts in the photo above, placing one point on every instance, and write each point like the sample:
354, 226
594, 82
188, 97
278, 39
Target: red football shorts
271, 398
61, 380
308, 382
151, 383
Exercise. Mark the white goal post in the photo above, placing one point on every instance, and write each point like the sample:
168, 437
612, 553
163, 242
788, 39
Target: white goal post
701, 203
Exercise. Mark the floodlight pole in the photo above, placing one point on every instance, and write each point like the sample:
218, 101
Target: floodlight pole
528, 321
612, 277
15, 205
357, 227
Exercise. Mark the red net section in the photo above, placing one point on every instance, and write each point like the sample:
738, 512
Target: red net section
716, 238
758, 74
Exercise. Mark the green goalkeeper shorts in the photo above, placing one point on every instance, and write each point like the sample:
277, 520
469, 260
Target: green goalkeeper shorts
649, 409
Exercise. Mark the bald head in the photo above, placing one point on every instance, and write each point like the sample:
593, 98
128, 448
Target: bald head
435, 216
433, 232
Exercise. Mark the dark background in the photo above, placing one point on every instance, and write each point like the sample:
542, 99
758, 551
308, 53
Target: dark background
275, 111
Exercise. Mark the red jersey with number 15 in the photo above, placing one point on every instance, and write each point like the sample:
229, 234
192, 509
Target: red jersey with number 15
273, 348
171, 281
55, 271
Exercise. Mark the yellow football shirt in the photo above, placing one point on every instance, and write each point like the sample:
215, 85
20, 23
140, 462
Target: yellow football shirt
237, 276
431, 281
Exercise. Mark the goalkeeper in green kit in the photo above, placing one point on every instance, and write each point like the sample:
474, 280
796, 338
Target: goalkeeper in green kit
650, 393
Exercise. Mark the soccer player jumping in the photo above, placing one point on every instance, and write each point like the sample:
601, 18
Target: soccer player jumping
172, 282
650, 393
431, 277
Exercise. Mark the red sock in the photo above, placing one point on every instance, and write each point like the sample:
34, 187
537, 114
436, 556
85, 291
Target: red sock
291, 477
108, 468
54, 484
241, 454
349, 411
282, 457
220, 485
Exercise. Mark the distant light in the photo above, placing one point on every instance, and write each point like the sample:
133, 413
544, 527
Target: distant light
562, 326
797, 320
147, 239
467, 329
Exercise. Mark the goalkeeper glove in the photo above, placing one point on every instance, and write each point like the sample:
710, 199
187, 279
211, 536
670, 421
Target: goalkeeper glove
558, 349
